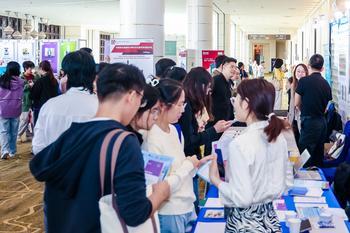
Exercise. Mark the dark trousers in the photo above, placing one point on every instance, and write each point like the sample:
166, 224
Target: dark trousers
36, 114
312, 137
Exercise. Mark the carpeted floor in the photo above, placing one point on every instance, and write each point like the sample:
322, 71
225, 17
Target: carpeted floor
21, 208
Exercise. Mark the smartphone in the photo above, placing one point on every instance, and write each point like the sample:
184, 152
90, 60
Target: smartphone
305, 225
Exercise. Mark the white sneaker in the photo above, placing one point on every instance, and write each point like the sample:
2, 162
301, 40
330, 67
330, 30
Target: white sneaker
12, 155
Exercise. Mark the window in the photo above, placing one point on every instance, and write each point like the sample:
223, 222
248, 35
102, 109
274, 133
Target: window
215, 30
103, 39
315, 40
14, 23
51, 31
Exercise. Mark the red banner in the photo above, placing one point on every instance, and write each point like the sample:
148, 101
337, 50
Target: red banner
137, 49
208, 57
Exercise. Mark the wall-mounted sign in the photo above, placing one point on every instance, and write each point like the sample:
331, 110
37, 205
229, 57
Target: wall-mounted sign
268, 37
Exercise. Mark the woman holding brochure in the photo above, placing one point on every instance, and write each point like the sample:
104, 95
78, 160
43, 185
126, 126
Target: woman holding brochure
257, 173
197, 87
176, 214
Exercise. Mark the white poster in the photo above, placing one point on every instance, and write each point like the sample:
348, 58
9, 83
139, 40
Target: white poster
7, 53
340, 66
138, 52
26, 51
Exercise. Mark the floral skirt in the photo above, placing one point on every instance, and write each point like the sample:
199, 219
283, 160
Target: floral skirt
257, 218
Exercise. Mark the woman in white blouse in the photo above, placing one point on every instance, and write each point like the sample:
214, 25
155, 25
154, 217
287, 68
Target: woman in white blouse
177, 212
258, 168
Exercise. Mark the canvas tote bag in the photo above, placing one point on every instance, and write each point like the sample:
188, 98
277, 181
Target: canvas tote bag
110, 219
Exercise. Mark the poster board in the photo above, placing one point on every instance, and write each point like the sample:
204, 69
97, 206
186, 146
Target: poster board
340, 35
49, 52
67, 46
26, 51
138, 52
7, 53
208, 58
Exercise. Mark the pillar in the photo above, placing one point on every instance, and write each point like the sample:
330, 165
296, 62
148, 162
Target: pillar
199, 18
143, 19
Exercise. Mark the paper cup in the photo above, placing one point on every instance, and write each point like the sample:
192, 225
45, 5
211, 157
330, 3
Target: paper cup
294, 225
290, 214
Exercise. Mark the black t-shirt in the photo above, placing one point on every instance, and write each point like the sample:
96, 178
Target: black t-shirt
315, 93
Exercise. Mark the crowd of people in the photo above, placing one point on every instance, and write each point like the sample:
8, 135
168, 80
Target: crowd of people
177, 114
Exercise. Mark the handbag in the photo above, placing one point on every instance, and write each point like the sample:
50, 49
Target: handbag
276, 83
110, 219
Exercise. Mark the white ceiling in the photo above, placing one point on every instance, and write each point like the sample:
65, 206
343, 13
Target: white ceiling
268, 16
253, 16
101, 13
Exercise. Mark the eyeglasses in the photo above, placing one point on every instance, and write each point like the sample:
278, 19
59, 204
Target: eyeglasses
180, 105
143, 101
232, 100
155, 112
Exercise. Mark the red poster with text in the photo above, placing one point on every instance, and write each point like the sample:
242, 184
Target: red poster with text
208, 57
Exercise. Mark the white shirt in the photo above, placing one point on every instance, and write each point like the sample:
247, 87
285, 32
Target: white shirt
181, 172
261, 71
58, 113
257, 171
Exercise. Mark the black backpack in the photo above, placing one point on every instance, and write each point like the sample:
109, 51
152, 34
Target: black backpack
342, 184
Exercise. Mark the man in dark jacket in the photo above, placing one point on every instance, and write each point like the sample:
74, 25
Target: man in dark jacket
222, 108
70, 166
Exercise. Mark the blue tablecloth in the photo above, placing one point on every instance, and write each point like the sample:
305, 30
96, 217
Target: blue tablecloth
328, 194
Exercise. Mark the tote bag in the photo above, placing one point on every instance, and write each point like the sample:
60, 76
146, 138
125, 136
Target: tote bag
110, 219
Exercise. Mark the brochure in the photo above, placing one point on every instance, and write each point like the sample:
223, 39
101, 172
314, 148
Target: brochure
203, 171
311, 183
157, 167
279, 204
214, 213
308, 175
304, 157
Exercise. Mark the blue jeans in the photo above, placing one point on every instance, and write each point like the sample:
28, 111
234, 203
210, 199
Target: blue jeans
8, 135
176, 223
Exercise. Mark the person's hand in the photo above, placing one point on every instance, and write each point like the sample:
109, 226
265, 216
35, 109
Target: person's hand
214, 172
193, 159
30, 83
222, 125
161, 190
205, 159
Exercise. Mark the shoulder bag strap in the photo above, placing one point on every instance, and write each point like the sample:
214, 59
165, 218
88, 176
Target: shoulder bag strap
115, 152
103, 154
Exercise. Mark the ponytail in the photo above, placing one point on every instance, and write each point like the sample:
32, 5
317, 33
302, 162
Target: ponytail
275, 127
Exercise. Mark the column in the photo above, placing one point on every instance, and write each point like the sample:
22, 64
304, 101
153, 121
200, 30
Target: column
143, 19
229, 40
199, 18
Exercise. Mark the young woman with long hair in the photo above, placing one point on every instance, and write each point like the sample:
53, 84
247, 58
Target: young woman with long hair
44, 88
